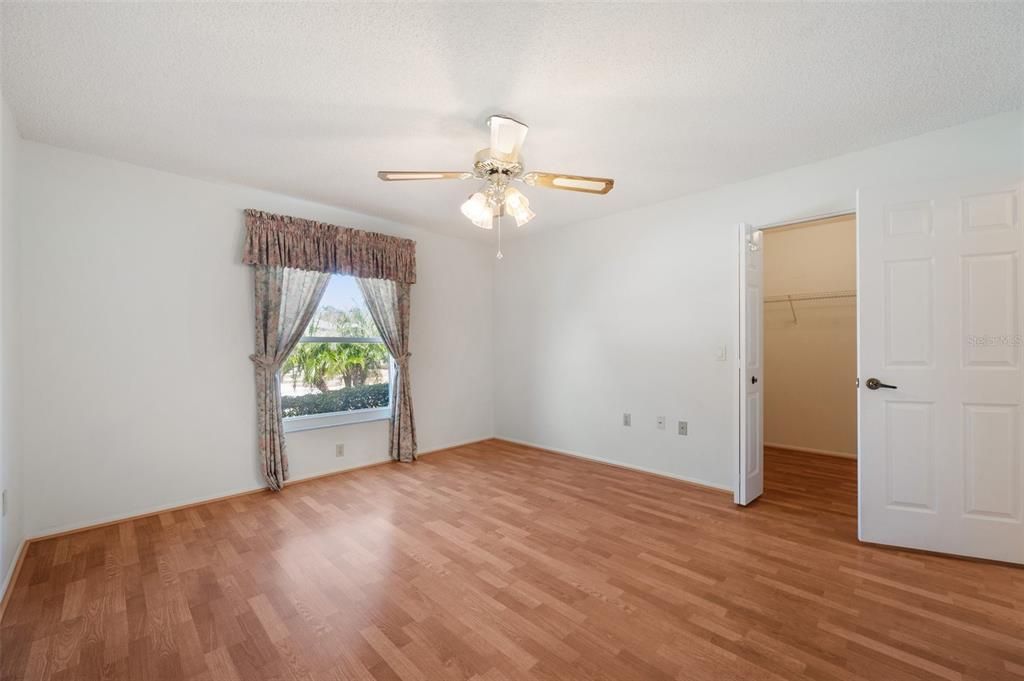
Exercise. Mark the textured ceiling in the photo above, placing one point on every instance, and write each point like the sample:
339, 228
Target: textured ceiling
312, 99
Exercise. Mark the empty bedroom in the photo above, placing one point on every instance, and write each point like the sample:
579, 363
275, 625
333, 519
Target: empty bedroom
523, 341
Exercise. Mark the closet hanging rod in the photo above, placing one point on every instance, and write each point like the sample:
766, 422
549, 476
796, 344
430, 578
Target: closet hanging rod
797, 297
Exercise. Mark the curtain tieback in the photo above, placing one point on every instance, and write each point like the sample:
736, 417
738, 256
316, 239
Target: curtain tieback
264, 361
403, 360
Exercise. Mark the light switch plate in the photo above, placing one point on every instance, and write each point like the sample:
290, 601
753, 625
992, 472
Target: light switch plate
339, 450
627, 419
683, 428
661, 423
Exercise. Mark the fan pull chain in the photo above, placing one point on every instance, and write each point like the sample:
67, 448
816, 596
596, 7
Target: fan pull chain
499, 256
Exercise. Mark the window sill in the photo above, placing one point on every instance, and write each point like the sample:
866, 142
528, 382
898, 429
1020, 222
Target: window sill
295, 424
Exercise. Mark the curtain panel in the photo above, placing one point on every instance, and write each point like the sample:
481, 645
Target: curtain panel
388, 302
286, 300
281, 241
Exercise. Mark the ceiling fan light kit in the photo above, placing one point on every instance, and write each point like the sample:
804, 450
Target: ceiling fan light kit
498, 166
479, 211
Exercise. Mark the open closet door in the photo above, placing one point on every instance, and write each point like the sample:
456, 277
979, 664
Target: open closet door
940, 309
750, 479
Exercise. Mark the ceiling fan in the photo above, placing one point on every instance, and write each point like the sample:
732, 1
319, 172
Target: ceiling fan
498, 166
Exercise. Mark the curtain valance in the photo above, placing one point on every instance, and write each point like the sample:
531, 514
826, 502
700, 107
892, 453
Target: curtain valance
283, 241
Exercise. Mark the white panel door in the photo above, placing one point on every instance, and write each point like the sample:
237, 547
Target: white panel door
940, 307
750, 480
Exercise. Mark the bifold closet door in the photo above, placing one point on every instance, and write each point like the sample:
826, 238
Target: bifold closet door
750, 476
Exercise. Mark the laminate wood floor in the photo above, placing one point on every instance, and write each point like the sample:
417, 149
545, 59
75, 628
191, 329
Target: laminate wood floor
498, 562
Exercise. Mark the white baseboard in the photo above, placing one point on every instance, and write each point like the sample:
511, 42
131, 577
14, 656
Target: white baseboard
617, 464
445, 448
811, 450
177, 505
19, 555
12, 572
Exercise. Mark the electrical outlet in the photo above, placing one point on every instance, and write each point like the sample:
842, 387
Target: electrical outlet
627, 419
661, 423
682, 428
339, 450
3, 503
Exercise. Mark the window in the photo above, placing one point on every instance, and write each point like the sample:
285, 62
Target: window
340, 372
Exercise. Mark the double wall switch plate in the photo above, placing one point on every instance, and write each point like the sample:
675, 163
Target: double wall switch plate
683, 427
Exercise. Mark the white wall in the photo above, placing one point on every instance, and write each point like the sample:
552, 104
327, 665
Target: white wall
137, 319
627, 313
810, 366
11, 530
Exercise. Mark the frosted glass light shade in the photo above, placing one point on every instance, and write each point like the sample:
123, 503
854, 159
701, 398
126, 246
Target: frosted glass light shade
478, 210
518, 206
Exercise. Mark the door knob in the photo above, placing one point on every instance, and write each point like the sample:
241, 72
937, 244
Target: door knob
875, 384
753, 380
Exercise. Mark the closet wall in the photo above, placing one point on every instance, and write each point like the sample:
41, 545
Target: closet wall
810, 367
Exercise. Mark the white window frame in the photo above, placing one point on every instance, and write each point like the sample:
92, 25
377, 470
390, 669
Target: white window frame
294, 424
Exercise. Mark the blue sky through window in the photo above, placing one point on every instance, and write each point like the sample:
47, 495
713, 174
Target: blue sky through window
343, 294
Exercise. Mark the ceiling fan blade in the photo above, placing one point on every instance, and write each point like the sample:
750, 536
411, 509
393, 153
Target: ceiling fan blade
573, 183
404, 175
507, 136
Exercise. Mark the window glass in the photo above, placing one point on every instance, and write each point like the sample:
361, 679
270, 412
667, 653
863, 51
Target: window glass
340, 365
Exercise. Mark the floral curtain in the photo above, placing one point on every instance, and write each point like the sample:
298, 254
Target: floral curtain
286, 300
388, 302
282, 241
293, 259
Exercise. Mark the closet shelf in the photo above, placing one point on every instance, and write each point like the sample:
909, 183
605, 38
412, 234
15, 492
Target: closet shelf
798, 297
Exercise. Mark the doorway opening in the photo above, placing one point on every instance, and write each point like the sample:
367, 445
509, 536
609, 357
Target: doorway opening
809, 390
939, 306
